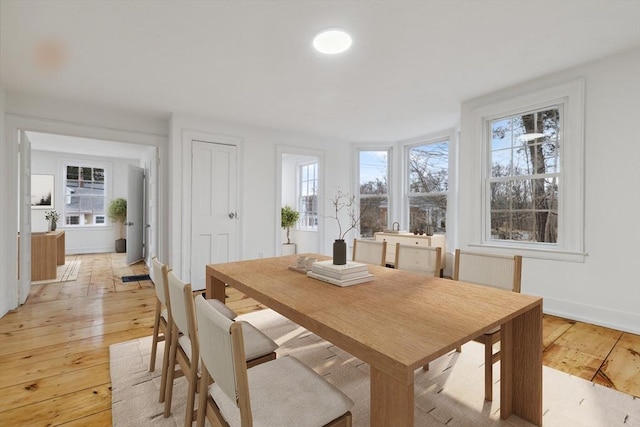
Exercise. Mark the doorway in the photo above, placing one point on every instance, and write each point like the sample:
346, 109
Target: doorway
100, 166
300, 186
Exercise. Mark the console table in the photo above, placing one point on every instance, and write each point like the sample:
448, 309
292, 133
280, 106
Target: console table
47, 252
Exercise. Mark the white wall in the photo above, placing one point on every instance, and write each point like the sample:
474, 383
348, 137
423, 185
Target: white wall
605, 288
257, 159
81, 239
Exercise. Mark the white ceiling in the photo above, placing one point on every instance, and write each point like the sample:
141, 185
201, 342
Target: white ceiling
410, 66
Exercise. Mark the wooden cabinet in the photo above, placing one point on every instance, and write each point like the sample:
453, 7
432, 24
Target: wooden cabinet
411, 239
47, 252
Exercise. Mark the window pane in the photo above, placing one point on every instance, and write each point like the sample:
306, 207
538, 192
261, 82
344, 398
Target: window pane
425, 211
307, 197
429, 168
525, 147
374, 190
84, 196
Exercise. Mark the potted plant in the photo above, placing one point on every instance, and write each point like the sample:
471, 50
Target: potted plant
288, 218
118, 214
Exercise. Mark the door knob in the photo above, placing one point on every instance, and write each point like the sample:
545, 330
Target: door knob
232, 215
130, 224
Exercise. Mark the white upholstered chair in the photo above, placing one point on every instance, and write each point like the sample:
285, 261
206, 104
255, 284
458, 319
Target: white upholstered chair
282, 392
369, 252
185, 347
495, 270
418, 259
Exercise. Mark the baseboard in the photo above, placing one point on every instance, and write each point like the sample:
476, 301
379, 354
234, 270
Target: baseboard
622, 321
98, 250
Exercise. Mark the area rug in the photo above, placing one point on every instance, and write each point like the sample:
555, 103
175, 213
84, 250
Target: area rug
64, 273
450, 394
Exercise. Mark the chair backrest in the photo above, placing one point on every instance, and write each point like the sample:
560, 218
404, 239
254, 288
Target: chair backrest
369, 251
496, 270
418, 259
222, 353
182, 308
159, 271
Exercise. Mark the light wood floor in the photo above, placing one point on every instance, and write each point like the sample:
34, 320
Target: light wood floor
54, 350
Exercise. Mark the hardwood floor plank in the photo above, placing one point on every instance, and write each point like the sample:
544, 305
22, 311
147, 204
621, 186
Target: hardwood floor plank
594, 340
553, 328
102, 418
51, 387
59, 410
621, 370
32, 370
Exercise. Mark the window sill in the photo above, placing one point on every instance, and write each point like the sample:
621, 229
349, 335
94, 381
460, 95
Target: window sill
554, 254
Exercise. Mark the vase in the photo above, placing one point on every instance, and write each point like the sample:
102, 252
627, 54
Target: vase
52, 225
339, 252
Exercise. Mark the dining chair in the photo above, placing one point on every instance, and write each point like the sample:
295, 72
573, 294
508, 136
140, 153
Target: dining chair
418, 259
161, 322
184, 347
495, 270
369, 252
283, 392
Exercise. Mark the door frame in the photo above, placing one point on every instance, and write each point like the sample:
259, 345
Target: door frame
183, 258
15, 123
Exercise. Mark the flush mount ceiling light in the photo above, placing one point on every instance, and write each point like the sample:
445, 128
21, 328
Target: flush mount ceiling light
332, 41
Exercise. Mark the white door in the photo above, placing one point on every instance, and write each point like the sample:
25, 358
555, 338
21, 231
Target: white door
135, 215
214, 216
24, 267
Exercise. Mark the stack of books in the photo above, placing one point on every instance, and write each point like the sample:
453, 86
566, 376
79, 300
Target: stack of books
349, 274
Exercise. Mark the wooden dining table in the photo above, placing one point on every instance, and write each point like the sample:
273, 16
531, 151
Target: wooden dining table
399, 322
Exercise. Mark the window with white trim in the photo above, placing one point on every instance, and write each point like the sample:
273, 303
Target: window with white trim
374, 190
533, 173
428, 186
308, 196
84, 187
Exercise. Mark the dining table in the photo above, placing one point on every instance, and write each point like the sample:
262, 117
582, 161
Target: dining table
399, 322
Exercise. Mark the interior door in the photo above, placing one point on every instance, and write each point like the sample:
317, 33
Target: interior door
24, 244
135, 215
214, 216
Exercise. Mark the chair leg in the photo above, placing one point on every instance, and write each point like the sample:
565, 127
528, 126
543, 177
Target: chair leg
156, 331
165, 364
426, 367
191, 394
171, 372
202, 397
488, 371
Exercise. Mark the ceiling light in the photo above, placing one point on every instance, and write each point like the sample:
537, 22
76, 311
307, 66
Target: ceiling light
530, 136
332, 41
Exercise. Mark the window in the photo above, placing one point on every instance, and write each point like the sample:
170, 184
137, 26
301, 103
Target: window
524, 180
531, 180
374, 191
84, 195
428, 186
308, 196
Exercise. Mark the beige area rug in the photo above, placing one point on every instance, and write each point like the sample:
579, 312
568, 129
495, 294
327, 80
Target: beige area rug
64, 273
451, 393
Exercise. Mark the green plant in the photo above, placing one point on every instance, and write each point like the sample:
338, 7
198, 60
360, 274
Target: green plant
52, 216
118, 213
289, 217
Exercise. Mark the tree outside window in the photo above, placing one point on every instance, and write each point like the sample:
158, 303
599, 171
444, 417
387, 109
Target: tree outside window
374, 191
428, 186
524, 179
